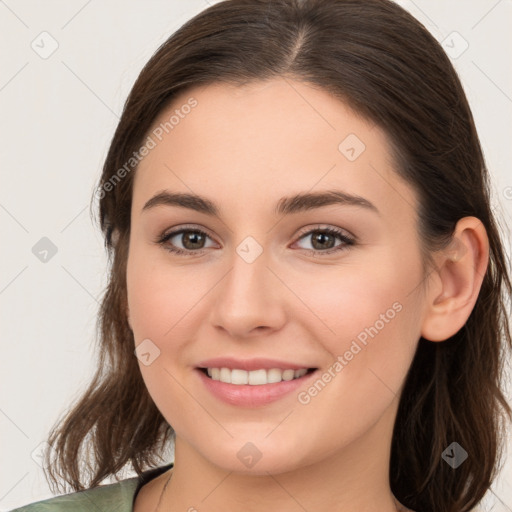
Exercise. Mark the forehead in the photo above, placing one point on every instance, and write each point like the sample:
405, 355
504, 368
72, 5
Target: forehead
265, 140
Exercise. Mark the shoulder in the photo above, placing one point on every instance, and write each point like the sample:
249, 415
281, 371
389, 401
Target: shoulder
116, 497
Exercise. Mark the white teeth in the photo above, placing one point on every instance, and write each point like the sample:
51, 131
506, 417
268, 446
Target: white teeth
225, 375
254, 377
274, 375
239, 377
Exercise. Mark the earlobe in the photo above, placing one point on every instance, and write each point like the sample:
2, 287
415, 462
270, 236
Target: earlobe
459, 272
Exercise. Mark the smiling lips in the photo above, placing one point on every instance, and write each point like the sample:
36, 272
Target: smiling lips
251, 382
255, 372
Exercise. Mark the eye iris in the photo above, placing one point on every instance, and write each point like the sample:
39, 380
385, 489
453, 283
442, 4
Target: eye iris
320, 236
193, 237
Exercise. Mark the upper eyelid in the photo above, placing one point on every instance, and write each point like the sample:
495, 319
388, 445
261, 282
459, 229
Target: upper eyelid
179, 229
319, 227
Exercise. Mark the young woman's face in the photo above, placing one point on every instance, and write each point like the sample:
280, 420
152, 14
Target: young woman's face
266, 280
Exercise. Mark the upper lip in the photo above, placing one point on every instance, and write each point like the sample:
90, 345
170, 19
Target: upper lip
250, 364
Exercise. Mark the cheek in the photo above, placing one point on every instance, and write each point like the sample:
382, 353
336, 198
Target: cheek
369, 315
156, 292
157, 300
367, 321
347, 299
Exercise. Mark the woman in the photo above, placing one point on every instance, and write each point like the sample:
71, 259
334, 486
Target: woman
307, 292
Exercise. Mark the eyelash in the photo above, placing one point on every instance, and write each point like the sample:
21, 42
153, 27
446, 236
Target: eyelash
347, 241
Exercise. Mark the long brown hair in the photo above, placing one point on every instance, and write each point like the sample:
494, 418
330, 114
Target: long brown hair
380, 60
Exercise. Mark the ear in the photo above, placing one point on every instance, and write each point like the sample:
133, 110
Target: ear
456, 280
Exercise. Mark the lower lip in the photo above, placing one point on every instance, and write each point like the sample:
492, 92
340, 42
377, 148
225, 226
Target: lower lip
246, 395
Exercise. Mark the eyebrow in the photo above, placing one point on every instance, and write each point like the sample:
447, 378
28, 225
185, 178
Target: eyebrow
285, 206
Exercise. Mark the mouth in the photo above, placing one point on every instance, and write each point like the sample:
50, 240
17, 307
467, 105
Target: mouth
254, 388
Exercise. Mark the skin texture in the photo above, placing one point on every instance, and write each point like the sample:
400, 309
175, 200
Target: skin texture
244, 148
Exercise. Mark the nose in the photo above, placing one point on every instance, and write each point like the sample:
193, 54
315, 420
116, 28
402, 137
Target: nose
249, 299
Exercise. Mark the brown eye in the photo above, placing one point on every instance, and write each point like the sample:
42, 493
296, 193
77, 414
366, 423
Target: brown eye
323, 240
192, 240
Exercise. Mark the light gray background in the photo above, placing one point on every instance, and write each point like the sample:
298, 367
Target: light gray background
58, 115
